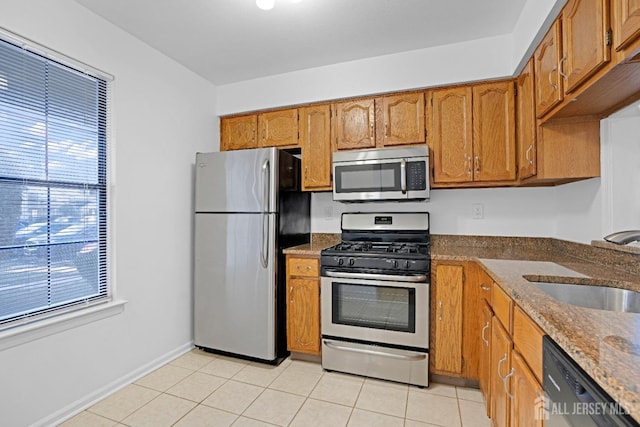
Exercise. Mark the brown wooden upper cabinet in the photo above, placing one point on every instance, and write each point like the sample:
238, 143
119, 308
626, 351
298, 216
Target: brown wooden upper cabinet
238, 133
472, 133
403, 119
315, 143
380, 122
526, 123
450, 134
576, 46
494, 132
626, 22
585, 41
278, 128
355, 124
269, 129
548, 84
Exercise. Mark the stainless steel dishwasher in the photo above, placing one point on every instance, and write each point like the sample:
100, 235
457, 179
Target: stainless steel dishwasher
572, 398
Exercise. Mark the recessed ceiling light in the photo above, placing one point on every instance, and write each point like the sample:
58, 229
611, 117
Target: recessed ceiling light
265, 4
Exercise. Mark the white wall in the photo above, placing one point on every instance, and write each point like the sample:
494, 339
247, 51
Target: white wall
162, 115
488, 58
506, 211
595, 208
482, 59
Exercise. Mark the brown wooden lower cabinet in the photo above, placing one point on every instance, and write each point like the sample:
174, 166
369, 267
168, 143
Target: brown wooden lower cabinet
484, 370
526, 391
303, 305
510, 368
448, 319
501, 346
455, 319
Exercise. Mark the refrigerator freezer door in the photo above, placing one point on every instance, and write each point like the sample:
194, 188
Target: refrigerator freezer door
237, 181
235, 309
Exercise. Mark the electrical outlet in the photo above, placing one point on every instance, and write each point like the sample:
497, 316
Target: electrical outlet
477, 211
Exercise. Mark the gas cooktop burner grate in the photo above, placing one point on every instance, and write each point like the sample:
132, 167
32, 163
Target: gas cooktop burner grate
382, 248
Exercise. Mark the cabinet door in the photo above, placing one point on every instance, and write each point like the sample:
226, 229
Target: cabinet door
278, 128
315, 140
451, 134
485, 356
238, 132
626, 22
403, 119
303, 315
527, 394
472, 321
548, 85
448, 318
494, 132
355, 124
585, 24
526, 123
501, 346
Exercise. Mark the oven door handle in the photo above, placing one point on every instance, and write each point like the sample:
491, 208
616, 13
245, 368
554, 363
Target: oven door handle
372, 276
409, 356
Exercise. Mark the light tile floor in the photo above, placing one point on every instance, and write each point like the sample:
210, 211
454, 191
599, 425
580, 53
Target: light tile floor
203, 389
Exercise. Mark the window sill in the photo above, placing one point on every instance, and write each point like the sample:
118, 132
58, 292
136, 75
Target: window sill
23, 334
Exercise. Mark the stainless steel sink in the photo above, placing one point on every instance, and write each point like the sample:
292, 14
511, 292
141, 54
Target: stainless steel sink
598, 297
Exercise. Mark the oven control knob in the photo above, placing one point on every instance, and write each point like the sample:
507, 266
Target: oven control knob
340, 261
395, 264
352, 261
407, 264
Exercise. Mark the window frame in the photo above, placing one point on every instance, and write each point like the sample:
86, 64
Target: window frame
34, 326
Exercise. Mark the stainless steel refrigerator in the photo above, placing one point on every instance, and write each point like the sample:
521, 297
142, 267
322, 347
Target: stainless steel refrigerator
248, 207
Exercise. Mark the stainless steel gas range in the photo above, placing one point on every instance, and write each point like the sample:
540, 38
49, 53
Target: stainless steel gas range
375, 297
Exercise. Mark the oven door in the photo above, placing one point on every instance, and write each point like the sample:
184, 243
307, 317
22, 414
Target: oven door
390, 312
382, 179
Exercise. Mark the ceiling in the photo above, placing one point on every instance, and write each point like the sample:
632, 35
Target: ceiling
227, 41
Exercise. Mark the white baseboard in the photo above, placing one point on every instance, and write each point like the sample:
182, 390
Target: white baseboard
92, 398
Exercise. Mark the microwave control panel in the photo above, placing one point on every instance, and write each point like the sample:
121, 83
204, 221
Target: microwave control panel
416, 175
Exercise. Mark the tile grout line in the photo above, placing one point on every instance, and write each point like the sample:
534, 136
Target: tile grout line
353, 408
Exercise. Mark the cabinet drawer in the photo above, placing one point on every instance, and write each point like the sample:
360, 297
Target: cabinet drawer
502, 306
307, 267
527, 338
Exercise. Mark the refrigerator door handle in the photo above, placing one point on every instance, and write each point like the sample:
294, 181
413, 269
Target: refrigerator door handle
264, 249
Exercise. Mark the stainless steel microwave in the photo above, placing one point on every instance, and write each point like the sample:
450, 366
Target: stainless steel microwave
381, 174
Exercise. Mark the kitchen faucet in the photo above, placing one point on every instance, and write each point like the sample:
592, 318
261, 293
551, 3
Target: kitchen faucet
623, 237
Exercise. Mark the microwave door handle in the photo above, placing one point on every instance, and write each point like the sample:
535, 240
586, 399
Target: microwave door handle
403, 176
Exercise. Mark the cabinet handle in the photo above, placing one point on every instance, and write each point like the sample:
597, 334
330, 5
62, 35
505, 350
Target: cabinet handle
371, 131
506, 386
561, 70
291, 294
386, 130
529, 150
486, 342
500, 362
308, 267
264, 134
484, 287
506, 377
306, 173
469, 171
477, 164
440, 306
253, 134
553, 85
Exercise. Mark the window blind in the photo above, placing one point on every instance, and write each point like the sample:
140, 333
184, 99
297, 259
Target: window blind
53, 186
